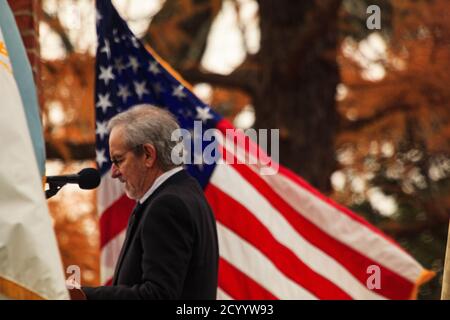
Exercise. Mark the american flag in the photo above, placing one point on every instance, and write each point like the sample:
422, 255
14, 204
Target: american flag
278, 237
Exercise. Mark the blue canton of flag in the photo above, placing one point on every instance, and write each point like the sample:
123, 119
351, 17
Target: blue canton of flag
128, 75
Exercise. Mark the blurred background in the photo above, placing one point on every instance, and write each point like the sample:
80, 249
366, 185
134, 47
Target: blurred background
363, 113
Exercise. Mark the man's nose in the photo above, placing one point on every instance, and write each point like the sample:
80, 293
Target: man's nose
115, 172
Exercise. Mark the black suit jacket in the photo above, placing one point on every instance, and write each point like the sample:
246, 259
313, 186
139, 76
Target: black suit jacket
171, 247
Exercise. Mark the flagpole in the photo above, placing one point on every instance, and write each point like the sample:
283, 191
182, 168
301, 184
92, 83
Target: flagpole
446, 278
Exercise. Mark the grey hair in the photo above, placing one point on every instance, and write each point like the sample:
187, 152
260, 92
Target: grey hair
146, 123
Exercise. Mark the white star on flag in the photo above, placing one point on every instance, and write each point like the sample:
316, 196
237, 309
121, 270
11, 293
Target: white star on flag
157, 88
118, 64
103, 102
153, 68
106, 49
106, 74
188, 114
100, 157
124, 93
178, 92
135, 42
116, 38
185, 113
203, 114
134, 63
98, 17
101, 130
140, 88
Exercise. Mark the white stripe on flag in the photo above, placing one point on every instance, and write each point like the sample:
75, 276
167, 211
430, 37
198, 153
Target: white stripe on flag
109, 191
337, 224
230, 182
109, 256
256, 266
346, 229
221, 295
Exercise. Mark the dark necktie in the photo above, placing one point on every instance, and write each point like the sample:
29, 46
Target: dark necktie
133, 218
131, 222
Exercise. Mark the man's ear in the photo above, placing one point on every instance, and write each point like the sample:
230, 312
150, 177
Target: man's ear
150, 154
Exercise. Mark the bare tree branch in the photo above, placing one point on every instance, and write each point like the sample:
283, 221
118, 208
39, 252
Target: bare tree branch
347, 125
238, 79
55, 24
65, 150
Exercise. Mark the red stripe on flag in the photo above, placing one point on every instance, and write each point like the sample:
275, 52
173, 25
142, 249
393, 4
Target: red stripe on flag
248, 227
115, 219
239, 286
394, 286
305, 185
224, 125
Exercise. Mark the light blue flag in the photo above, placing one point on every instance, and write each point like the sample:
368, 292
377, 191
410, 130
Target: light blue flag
30, 262
24, 77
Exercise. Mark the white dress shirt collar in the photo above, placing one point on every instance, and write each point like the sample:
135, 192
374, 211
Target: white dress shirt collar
159, 181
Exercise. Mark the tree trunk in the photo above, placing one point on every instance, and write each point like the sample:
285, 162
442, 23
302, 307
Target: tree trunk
298, 79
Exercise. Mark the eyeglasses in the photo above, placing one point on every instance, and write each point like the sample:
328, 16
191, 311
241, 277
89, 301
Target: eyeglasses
117, 160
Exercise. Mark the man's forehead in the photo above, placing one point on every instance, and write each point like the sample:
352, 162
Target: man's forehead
116, 140
117, 130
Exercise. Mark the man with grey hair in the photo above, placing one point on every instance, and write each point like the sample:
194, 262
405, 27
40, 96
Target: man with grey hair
171, 248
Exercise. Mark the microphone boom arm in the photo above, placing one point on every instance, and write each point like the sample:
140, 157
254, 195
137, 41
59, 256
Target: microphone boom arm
53, 189
88, 178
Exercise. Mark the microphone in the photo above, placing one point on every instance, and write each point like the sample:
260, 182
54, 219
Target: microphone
88, 178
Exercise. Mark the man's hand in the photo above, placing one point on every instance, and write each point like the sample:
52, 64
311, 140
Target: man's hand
75, 291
